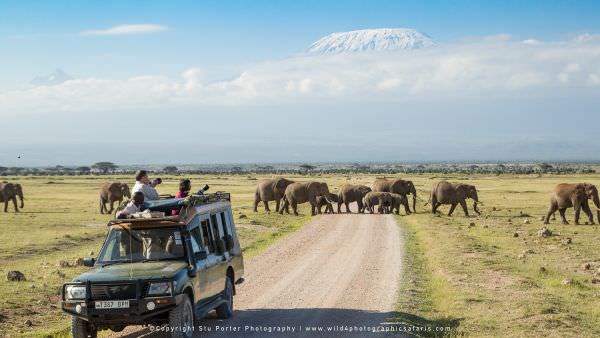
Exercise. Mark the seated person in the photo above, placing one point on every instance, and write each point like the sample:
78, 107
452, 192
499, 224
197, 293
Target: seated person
143, 184
135, 205
184, 189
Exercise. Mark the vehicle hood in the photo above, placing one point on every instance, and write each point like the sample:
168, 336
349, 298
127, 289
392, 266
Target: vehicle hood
132, 271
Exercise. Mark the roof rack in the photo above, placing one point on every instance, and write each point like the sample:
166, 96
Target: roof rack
157, 208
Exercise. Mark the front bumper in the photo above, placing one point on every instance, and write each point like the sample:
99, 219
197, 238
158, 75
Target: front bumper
136, 313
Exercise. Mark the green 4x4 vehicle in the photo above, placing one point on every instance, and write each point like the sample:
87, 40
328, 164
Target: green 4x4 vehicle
160, 269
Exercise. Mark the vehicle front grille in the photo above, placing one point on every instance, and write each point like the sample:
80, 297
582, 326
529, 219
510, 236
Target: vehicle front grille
113, 291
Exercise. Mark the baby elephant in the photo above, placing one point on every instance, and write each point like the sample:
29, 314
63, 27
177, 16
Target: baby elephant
397, 201
382, 200
323, 202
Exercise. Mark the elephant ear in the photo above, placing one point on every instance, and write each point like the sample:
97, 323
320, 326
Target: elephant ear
281, 183
462, 191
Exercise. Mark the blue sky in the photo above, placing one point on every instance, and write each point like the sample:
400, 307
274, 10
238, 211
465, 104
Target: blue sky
222, 63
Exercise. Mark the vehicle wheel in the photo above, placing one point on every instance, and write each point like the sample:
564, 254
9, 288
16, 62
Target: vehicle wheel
225, 310
82, 329
182, 317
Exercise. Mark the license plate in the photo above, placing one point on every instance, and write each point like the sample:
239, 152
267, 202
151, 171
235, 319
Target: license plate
112, 304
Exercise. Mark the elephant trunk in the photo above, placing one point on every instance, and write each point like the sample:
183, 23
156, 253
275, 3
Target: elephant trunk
596, 201
22, 201
475, 202
414, 193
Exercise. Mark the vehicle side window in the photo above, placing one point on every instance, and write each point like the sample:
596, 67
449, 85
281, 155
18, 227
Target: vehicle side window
215, 228
196, 239
206, 240
225, 224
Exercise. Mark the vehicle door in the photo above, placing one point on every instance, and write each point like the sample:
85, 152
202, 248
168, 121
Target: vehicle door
201, 280
218, 272
211, 263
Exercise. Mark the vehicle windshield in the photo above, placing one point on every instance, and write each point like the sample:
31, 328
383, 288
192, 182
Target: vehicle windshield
135, 245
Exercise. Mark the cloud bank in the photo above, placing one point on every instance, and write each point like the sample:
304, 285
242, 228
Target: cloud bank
487, 67
125, 30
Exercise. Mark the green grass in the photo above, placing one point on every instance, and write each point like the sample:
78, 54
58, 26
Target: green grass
473, 276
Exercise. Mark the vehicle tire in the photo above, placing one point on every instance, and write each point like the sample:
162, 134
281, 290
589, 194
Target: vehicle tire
225, 310
182, 317
82, 329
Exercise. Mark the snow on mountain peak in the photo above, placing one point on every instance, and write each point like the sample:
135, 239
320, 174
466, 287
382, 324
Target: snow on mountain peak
57, 77
370, 40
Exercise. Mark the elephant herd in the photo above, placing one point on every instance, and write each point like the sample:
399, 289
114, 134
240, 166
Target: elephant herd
384, 196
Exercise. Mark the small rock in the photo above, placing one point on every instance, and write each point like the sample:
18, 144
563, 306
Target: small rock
509, 220
15, 276
28, 323
544, 232
528, 251
586, 266
543, 269
471, 225
493, 208
526, 221
242, 216
567, 240
515, 234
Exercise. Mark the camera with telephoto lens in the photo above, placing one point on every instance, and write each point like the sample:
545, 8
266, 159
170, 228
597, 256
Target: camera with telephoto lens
203, 189
156, 181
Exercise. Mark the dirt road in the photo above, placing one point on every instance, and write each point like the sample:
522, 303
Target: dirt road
338, 271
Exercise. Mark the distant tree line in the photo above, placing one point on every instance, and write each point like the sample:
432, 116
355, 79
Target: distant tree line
109, 168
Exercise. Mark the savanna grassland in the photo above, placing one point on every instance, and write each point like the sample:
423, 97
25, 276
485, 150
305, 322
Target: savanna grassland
490, 275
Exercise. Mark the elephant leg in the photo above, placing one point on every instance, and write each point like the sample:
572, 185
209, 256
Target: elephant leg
463, 204
6, 205
101, 207
562, 215
277, 203
266, 206
588, 212
112, 206
256, 200
284, 207
14, 200
551, 211
452, 209
295, 207
340, 206
577, 213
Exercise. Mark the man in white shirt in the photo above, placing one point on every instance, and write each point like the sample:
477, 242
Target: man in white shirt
143, 184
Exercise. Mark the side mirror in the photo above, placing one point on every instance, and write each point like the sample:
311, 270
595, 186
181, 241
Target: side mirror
201, 255
89, 261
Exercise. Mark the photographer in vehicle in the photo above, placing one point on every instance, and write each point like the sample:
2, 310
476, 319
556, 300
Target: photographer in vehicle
145, 186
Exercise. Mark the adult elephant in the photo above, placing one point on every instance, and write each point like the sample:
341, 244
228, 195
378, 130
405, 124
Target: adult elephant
298, 193
575, 196
398, 186
270, 190
380, 199
444, 192
112, 192
352, 193
10, 192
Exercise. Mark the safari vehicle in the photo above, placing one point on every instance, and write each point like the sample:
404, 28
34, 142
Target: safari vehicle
160, 269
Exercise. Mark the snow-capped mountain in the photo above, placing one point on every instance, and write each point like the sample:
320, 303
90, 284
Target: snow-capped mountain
370, 40
57, 77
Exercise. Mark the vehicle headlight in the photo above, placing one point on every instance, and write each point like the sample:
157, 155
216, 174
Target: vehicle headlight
159, 289
75, 292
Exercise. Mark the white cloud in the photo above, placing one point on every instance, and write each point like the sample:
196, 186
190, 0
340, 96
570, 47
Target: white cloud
126, 30
483, 68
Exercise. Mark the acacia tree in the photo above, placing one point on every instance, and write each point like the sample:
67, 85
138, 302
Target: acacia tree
105, 167
171, 169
